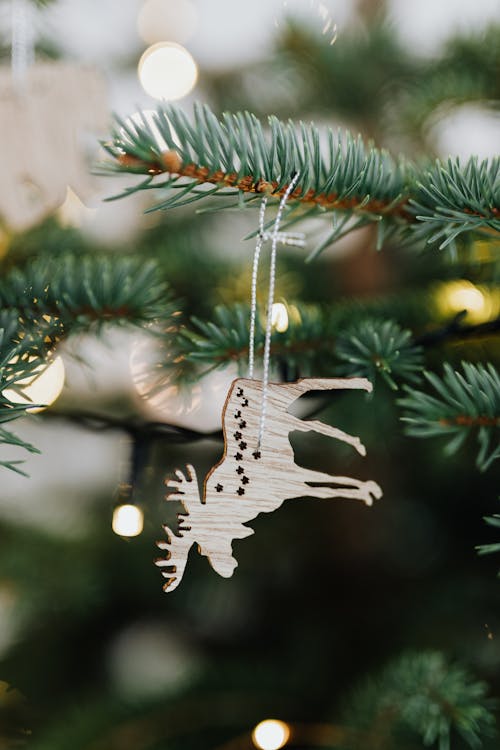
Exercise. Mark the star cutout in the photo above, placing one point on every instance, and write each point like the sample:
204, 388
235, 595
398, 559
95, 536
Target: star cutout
238, 456
240, 470
241, 491
243, 424
257, 454
219, 487
238, 414
245, 480
243, 445
237, 435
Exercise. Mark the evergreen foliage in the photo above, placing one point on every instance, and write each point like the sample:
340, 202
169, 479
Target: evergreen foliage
380, 348
398, 94
465, 402
421, 695
406, 564
233, 155
51, 298
486, 549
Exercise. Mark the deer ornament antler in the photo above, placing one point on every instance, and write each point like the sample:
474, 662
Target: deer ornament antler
253, 478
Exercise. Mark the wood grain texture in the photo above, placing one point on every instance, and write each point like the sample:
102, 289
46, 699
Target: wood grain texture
252, 479
42, 123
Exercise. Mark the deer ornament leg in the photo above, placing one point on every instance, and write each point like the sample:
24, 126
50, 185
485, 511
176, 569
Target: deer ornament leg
346, 487
252, 478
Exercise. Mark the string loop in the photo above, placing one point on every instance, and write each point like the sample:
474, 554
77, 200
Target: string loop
261, 237
292, 238
270, 301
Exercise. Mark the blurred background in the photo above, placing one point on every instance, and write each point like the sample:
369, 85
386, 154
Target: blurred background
92, 654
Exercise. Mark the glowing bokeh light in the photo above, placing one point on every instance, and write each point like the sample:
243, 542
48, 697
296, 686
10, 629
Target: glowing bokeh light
167, 71
128, 520
270, 734
41, 388
454, 296
279, 317
467, 298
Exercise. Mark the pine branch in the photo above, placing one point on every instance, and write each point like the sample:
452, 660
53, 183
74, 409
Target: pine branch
348, 339
451, 200
217, 343
409, 90
234, 156
420, 696
8, 438
52, 298
487, 549
464, 403
376, 348
70, 293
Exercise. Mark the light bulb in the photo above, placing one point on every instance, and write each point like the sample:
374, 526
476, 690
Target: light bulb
279, 317
128, 520
458, 295
167, 71
271, 734
41, 388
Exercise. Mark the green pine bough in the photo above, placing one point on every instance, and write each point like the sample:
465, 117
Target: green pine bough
375, 348
311, 344
419, 697
487, 549
52, 298
319, 340
236, 155
463, 403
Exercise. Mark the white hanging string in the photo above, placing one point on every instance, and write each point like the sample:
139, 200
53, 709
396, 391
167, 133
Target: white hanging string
270, 300
261, 238
23, 39
296, 239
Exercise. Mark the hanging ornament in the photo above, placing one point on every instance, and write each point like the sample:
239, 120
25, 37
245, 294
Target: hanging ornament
45, 110
257, 472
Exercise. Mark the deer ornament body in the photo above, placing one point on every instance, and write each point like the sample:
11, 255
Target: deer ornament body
251, 478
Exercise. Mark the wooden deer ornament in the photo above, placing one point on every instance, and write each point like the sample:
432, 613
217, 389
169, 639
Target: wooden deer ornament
251, 479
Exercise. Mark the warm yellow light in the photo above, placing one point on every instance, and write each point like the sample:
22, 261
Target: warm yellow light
41, 388
160, 19
466, 298
270, 734
455, 296
167, 71
279, 317
128, 520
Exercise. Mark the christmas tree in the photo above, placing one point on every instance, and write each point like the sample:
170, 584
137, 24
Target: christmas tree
343, 626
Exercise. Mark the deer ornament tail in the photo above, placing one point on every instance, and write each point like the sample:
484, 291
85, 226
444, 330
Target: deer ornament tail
251, 478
